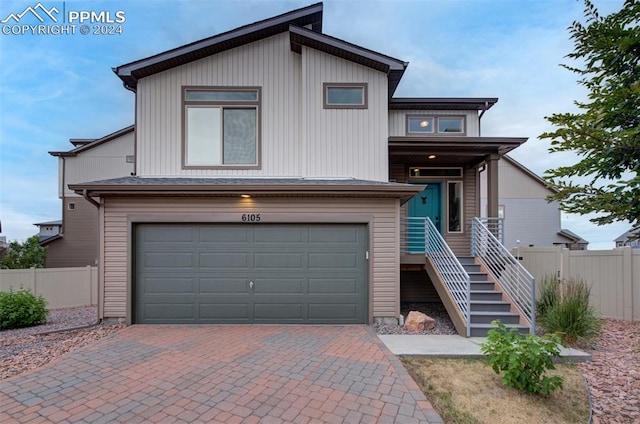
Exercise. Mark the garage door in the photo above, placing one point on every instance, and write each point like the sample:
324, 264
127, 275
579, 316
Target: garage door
250, 274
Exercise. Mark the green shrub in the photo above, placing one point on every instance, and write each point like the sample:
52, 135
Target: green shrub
564, 309
549, 295
21, 309
523, 360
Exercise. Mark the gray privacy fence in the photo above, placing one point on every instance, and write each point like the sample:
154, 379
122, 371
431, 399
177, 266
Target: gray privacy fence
62, 287
614, 275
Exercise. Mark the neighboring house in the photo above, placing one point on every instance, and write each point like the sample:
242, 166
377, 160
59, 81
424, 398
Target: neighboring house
47, 230
529, 219
274, 170
629, 239
76, 243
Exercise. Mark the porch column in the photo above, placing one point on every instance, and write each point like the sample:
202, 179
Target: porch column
492, 186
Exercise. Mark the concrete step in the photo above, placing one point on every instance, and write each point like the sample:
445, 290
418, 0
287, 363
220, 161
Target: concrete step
485, 317
486, 295
481, 330
490, 306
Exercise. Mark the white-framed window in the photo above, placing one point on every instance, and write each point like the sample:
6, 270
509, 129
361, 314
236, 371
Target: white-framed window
501, 211
432, 124
71, 206
432, 172
344, 95
455, 211
221, 127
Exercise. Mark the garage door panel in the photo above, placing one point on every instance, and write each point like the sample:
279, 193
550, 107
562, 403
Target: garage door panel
278, 234
280, 260
168, 285
201, 273
338, 261
337, 312
333, 235
282, 286
278, 312
232, 234
169, 312
222, 285
177, 234
225, 260
170, 260
334, 285
225, 312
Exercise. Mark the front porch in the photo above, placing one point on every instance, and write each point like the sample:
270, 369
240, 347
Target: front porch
484, 285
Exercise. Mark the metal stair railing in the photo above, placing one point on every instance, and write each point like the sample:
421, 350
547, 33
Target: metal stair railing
495, 226
412, 233
516, 281
456, 279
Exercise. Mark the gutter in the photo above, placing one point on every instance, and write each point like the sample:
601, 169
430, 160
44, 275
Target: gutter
85, 194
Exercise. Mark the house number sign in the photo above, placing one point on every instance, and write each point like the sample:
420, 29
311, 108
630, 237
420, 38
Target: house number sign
250, 217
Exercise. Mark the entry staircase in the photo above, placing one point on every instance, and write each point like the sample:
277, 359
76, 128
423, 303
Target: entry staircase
476, 290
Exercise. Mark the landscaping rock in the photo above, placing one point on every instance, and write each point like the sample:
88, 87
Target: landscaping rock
417, 321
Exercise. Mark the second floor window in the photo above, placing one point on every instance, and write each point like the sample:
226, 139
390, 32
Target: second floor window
221, 127
427, 125
345, 95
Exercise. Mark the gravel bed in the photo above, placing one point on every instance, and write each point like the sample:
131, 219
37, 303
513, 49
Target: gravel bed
433, 310
614, 373
24, 349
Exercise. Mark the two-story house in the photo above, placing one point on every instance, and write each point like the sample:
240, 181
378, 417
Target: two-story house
75, 242
274, 171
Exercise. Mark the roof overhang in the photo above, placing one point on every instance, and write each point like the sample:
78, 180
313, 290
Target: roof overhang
442, 103
235, 187
448, 150
394, 68
50, 239
86, 146
130, 73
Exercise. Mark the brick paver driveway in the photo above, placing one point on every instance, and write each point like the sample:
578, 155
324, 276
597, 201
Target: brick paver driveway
211, 373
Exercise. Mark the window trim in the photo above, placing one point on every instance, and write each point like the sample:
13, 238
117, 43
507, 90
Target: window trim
365, 97
448, 200
231, 104
421, 177
435, 132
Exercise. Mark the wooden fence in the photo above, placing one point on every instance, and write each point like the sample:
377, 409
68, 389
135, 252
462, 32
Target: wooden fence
62, 287
614, 275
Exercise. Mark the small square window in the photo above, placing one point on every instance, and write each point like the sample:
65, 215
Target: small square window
71, 206
345, 95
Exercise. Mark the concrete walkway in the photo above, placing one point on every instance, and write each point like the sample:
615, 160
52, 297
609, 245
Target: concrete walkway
221, 374
455, 347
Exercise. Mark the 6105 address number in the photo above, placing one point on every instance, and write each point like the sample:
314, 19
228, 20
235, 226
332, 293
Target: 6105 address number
250, 217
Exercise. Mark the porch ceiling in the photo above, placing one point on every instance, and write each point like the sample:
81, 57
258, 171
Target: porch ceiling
448, 150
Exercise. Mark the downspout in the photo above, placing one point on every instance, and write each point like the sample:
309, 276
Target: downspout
486, 106
135, 127
62, 190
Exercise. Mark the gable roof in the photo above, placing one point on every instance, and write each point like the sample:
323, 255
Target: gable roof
130, 73
94, 143
572, 236
394, 68
633, 233
54, 223
529, 173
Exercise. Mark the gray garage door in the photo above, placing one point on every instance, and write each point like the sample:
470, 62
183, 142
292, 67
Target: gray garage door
250, 273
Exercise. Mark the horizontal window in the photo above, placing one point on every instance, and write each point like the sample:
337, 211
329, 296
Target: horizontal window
425, 125
221, 127
435, 172
345, 95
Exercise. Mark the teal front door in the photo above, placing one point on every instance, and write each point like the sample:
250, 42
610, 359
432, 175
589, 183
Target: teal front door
424, 204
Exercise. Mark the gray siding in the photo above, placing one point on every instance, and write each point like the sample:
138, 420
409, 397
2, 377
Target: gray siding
298, 137
108, 160
380, 215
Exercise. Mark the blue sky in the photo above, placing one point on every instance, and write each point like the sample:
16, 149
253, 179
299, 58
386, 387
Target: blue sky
56, 87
